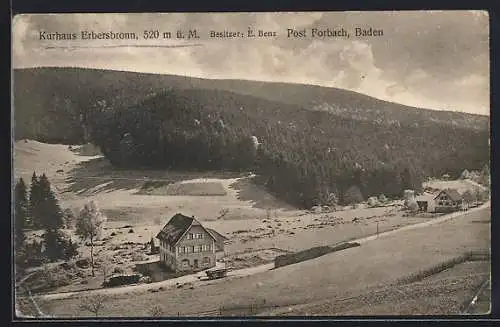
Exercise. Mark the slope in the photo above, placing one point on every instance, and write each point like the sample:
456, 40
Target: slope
299, 153
48, 101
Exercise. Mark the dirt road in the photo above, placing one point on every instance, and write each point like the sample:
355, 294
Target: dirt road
424, 224
193, 278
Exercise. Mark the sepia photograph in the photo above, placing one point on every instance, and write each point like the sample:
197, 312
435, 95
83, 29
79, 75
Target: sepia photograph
271, 164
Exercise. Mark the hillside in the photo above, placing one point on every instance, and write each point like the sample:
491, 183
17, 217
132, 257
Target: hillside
141, 196
49, 101
303, 156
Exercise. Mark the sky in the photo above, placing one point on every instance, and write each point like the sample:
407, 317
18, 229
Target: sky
429, 59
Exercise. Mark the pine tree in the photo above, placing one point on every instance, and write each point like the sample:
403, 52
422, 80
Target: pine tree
50, 218
54, 244
353, 195
34, 202
410, 179
50, 214
21, 206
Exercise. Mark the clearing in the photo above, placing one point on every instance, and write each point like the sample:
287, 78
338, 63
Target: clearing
138, 203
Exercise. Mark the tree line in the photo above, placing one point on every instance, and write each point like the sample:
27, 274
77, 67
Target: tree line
37, 208
305, 157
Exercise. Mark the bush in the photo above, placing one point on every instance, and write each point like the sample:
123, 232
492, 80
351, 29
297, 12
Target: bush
382, 198
33, 255
155, 311
412, 205
50, 278
58, 246
122, 280
288, 259
353, 195
373, 201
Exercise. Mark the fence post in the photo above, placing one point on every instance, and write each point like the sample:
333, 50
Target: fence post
221, 309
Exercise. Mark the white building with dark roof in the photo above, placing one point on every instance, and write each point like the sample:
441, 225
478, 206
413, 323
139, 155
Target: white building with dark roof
186, 245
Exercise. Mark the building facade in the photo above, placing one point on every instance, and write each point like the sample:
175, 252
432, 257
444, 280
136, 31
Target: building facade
185, 245
448, 200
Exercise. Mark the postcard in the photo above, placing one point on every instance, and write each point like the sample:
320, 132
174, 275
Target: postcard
271, 164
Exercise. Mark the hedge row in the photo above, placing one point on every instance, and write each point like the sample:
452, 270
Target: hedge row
288, 259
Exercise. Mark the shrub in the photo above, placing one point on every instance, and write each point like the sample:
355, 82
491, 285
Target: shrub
353, 195
288, 259
382, 198
412, 205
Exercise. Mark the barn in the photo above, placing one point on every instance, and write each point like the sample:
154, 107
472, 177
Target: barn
426, 202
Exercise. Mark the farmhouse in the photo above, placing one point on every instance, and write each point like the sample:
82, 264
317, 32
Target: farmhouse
448, 200
185, 245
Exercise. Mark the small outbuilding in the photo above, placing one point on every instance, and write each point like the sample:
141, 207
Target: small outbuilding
426, 203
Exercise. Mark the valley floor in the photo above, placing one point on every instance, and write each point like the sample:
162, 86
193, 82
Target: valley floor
316, 286
138, 203
259, 227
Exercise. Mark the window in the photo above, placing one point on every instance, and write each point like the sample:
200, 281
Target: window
195, 248
206, 247
206, 260
190, 236
184, 249
198, 236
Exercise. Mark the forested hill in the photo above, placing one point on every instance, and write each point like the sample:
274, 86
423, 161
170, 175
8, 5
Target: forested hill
305, 156
48, 101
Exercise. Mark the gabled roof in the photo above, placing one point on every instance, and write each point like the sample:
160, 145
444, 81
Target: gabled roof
219, 238
177, 226
452, 193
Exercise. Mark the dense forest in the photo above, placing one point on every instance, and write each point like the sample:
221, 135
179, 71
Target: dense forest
48, 101
304, 155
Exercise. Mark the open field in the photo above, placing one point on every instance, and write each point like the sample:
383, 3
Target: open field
447, 292
258, 226
354, 271
460, 185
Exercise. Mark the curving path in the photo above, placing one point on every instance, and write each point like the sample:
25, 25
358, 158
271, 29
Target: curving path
193, 278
